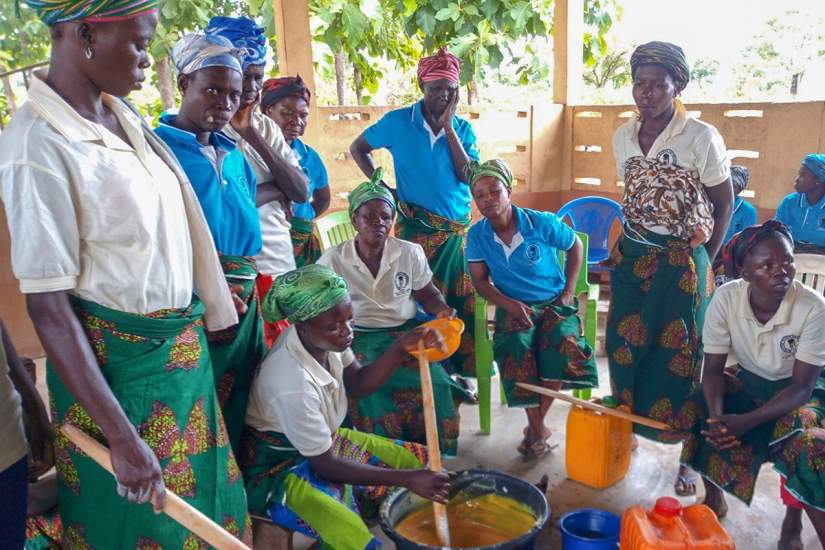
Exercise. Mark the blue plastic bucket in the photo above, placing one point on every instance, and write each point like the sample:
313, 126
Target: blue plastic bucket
589, 529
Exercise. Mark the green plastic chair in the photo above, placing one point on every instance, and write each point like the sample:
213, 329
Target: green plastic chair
484, 343
334, 228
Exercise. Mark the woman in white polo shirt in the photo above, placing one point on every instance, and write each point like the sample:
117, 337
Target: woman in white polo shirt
770, 406
300, 466
387, 276
677, 206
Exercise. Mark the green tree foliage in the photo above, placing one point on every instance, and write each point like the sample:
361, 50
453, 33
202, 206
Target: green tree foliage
24, 40
704, 70
611, 68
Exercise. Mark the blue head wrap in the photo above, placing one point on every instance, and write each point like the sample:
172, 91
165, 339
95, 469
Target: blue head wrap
199, 51
244, 33
815, 162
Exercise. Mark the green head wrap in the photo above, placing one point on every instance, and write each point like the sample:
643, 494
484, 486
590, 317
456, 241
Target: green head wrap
52, 12
304, 294
496, 168
370, 190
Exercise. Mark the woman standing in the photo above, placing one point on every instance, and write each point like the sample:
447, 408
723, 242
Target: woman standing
677, 206
107, 261
286, 101
210, 81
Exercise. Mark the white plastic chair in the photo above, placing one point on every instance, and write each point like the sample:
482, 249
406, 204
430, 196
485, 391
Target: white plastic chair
810, 270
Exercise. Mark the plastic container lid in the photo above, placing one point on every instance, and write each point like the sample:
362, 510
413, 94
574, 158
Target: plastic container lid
450, 330
610, 401
668, 507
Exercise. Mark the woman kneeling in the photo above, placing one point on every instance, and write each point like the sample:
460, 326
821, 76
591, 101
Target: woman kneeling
769, 407
299, 465
538, 336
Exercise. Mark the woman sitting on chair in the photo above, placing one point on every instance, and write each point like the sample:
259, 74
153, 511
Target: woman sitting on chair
300, 466
769, 407
538, 336
386, 277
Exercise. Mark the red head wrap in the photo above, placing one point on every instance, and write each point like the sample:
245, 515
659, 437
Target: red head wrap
276, 89
441, 65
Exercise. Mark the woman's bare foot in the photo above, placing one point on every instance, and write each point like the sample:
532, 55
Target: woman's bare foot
685, 485
790, 537
715, 500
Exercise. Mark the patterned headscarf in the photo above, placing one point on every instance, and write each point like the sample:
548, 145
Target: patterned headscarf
441, 65
739, 176
52, 12
668, 55
815, 162
244, 33
732, 256
496, 168
303, 294
194, 52
276, 89
370, 190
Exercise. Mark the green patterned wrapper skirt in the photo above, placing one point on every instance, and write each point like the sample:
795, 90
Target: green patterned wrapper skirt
795, 443
554, 348
443, 242
395, 410
305, 246
658, 296
238, 350
158, 368
280, 482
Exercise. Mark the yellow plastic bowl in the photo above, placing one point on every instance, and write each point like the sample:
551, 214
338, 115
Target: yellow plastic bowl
450, 330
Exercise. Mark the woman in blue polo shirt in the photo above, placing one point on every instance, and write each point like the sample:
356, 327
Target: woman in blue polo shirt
804, 211
286, 101
210, 81
538, 337
744, 213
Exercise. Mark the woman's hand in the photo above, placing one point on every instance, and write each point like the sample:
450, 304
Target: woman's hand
242, 119
518, 316
447, 313
409, 340
40, 437
737, 424
236, 291
719, 435
138, 472
566, 299
430, 485
446, 119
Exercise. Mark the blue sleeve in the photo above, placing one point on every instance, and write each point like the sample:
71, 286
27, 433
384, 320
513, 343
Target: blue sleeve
251, 179
559, 235
783, 212
750, 215
381, 133
323, 178
472, 250
468, 140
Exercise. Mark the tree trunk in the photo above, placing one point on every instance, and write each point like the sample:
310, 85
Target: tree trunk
166, 85
9, 93
357, 84
340, 74
795, 81
472, 92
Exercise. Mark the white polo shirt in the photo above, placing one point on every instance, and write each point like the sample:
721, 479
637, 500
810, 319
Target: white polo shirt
385, 300
796, 331
294, 395
276, 256
90, 213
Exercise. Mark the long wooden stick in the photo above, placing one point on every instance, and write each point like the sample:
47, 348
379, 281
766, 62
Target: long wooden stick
442, 526
638, 419
176, 508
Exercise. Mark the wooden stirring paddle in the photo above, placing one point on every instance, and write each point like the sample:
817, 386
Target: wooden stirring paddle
176, 508
442, 526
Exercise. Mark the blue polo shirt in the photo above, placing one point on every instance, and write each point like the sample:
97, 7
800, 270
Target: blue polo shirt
528, 270
424, 173
744, 215
806, 221
224, 183
316, 173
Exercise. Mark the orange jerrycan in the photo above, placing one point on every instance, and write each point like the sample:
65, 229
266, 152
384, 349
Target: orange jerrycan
670, 527
598, 446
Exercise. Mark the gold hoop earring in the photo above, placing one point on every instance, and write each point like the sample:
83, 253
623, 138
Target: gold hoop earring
88, 52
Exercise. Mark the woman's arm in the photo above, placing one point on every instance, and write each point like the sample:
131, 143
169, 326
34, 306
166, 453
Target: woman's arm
320, 200
721, 197
361, 381
431, 299
457, 153
64, 340
38, 428
518, 312
431, 485
572, 266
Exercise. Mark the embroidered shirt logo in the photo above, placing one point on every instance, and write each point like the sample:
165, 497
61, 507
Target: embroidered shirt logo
667, 157
402, 284
788, 344
533, 253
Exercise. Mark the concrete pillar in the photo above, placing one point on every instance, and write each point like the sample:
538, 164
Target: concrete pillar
294, 45
568, 34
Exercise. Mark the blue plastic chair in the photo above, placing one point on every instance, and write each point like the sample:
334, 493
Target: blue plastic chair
593, 215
